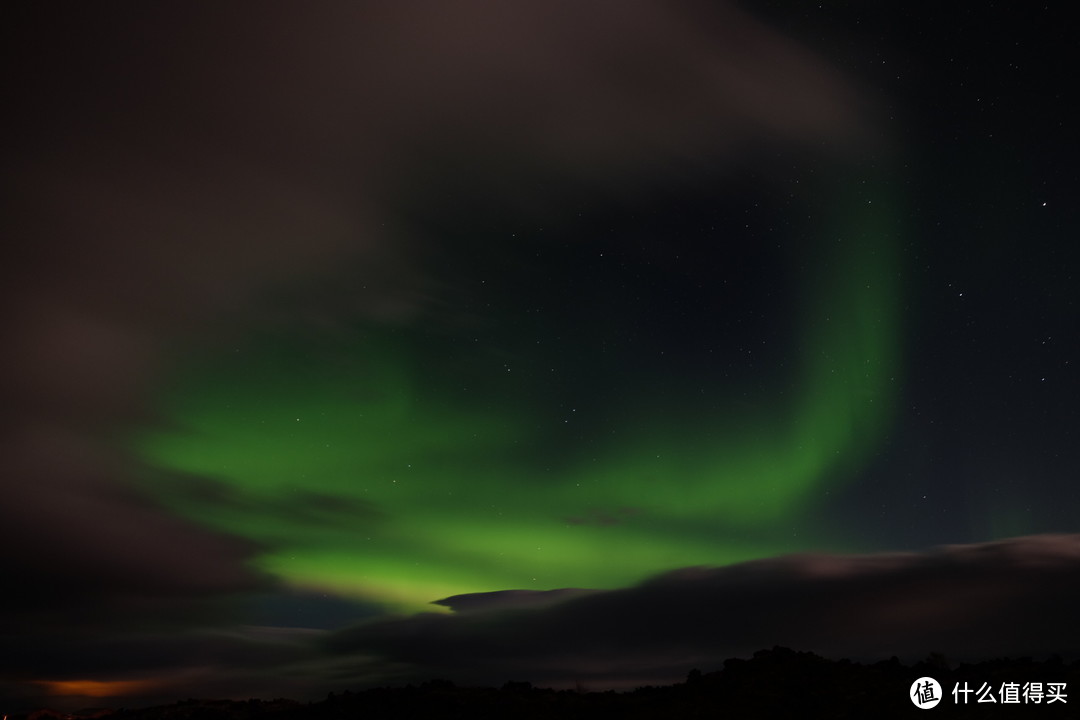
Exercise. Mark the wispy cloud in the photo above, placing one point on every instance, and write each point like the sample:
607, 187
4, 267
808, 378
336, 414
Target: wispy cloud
173, 164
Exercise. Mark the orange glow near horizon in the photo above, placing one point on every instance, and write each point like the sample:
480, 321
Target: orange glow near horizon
98, 688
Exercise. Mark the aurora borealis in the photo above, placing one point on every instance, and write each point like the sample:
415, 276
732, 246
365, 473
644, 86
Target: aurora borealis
356, 344
400, 466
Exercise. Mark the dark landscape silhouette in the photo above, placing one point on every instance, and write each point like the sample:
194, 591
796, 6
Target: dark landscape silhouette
780, 682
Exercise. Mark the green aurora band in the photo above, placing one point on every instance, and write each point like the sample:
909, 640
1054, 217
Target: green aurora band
362, 476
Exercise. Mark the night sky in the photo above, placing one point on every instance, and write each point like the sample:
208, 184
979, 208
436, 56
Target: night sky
576, 342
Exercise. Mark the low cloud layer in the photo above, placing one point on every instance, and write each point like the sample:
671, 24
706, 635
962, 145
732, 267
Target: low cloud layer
1012, 598
970, 602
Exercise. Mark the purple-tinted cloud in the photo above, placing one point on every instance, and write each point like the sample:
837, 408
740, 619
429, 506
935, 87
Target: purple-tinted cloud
1008, 598
172, 164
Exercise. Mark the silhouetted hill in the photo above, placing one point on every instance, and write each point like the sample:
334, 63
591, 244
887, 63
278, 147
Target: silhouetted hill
774, 683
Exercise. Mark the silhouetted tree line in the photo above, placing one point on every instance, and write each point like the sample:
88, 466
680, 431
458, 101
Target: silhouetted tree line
774, 683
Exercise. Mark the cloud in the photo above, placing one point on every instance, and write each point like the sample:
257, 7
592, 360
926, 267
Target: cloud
158, 666
76, 532
1008, 598
507, 599
176, 163
173, 165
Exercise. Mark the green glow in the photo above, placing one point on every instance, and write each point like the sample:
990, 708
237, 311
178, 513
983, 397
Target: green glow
363, 475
